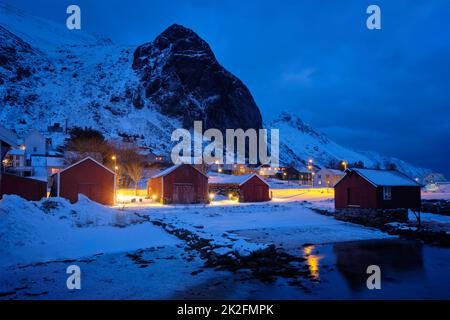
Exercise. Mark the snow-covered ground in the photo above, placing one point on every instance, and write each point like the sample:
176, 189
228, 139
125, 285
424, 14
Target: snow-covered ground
55, 229
120, 248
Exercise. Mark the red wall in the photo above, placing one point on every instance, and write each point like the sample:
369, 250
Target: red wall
367, 196
362, 192
154, 187
402, 197
254, 190
90, 179
185, 174
29, 189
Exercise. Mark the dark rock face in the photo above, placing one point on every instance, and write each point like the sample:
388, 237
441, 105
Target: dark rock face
13, 53
182, 78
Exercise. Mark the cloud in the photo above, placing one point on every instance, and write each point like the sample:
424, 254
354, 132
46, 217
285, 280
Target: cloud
302, 77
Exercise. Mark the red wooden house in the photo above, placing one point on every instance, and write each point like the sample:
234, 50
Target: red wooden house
247, 188
88, 177
377, 189
178, 184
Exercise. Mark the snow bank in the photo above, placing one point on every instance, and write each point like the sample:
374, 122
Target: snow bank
55, 229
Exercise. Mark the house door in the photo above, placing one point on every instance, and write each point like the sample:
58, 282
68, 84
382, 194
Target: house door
183, 193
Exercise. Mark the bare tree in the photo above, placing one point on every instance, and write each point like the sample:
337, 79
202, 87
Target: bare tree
134, 170
130, 162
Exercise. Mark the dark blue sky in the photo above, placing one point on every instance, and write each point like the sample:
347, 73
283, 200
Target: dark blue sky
386, 91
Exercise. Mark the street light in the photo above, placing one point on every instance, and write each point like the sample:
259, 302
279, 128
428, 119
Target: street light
311, 168
114, 158
345, 165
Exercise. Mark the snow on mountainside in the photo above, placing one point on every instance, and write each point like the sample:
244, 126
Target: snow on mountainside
300, 142
42, 33
49, 75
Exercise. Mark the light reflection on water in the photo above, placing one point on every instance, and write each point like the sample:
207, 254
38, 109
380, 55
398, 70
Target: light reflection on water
313, 261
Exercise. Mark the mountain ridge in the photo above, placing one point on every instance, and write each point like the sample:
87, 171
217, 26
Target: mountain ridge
143, 93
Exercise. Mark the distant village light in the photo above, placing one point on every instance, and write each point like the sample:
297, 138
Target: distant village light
211, 196
113, 157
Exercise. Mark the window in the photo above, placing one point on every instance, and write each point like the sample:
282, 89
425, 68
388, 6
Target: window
387, 195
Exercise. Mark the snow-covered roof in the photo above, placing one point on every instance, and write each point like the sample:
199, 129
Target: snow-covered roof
386, 177
173, 168
8, 136
82, 160
16, 152
332, 171
166, 171
230, 179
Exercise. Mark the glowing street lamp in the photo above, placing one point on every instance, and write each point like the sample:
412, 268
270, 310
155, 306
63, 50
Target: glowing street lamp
211, 196
345, 165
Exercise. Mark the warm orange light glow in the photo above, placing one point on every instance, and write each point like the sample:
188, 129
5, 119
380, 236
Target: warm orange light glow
312, 261
22, 147
113, 157
116, 168
154, 197
219, 170
211, 196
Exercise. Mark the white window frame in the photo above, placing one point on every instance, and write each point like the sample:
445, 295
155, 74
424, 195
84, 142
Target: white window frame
387, 193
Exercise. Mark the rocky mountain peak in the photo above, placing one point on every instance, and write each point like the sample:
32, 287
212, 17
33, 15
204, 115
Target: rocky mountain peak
295, 122
182, 40
181, 78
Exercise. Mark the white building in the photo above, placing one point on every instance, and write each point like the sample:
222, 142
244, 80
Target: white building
34, 157
327, 178
35, 144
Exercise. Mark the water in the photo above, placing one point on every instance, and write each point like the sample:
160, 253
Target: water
409, 270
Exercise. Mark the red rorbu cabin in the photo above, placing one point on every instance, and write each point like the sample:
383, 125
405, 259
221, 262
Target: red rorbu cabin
179, 184
88, 177
377, 189
247, 187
